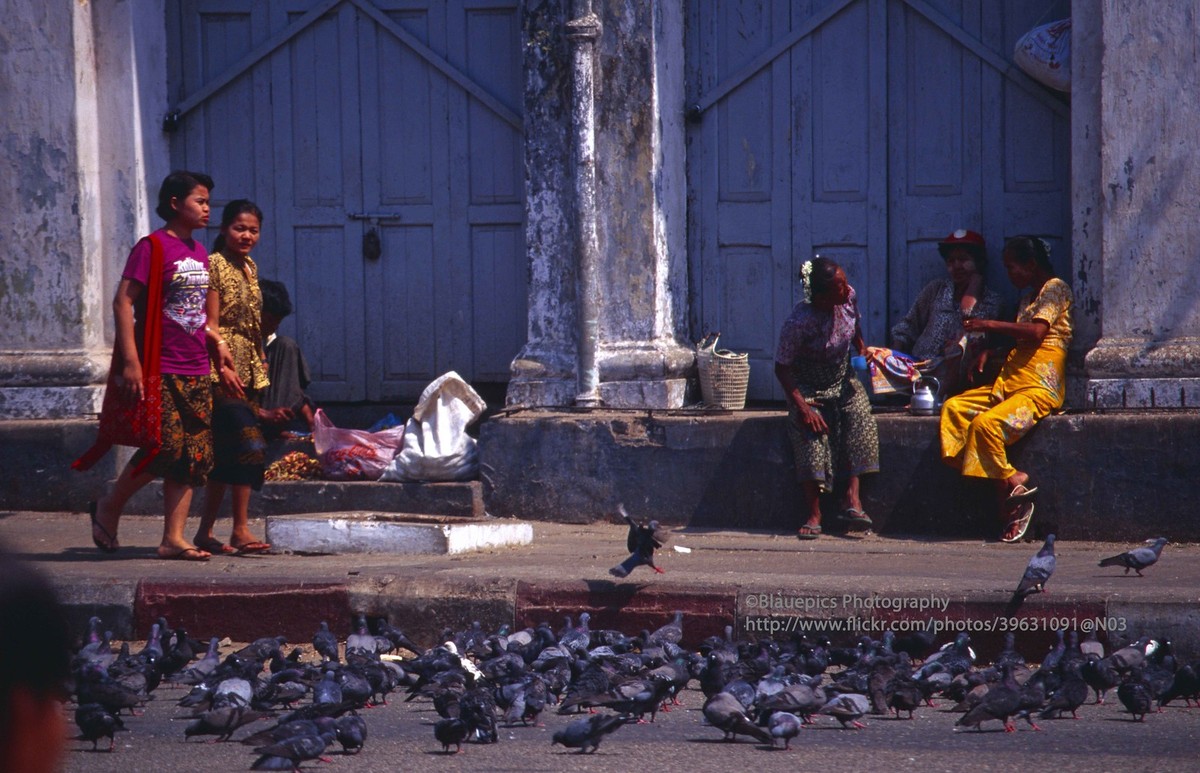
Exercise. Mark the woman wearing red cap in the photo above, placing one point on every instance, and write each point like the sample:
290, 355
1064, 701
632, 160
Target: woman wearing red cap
933, 327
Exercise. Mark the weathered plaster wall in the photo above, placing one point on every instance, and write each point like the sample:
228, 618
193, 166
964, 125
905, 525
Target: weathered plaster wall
84, 87
641, 193
40, 239
544, 372
640, 211
625, 130
1150, 96
1086, 189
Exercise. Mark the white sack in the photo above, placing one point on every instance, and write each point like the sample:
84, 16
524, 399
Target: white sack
436, 444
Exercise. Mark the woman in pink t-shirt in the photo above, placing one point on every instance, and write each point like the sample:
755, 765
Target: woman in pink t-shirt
186, 456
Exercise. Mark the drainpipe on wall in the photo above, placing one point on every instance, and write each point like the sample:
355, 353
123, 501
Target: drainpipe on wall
583, 32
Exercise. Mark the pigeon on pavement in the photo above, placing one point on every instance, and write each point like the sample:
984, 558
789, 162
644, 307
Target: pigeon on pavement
351, 731
1037, 574
585, 734
848, 708
451, 730
222, 722
325, 643
641, 543
671, 632
1135, 695
296, 750
96, 722
1138, 558
725, 712
1000, 702
785, 725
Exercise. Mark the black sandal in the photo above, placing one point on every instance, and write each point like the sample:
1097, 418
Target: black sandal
108, 547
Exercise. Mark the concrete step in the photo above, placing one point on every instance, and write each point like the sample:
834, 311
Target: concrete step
401, 533
1126, 477
459, 500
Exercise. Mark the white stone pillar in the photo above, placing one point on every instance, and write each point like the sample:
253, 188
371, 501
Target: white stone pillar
1148, 352
642, 356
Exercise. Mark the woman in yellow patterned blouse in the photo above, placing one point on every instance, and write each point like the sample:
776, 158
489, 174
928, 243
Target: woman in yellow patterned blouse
980, 423
238, 445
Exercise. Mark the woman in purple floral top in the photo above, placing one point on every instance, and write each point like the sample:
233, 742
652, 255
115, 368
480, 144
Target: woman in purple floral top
830, 423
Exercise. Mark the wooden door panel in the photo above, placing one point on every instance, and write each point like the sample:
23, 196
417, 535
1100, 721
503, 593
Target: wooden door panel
366, 109
323, 289
402, 312
498, 275
899, 132
318, 171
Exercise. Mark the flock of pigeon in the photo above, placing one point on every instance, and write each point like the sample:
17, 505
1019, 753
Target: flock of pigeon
478, 681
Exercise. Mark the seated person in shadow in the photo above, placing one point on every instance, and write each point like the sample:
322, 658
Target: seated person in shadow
933, 328
286, 366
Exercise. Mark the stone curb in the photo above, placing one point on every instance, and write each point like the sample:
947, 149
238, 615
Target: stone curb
426, 608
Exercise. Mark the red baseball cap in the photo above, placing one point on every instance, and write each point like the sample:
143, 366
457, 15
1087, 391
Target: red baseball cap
971, 240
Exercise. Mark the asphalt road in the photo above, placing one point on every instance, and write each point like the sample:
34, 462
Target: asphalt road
401, 737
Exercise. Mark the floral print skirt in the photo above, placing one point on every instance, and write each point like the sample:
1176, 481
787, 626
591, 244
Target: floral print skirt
239, 449
186, 455
979, 424
852, 445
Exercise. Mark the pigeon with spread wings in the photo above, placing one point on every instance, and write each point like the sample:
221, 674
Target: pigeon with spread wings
642, 541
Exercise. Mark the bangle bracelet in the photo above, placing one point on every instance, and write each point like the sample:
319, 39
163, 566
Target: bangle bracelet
220, 341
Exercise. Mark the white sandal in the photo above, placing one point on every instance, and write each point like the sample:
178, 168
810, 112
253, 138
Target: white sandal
1021, 522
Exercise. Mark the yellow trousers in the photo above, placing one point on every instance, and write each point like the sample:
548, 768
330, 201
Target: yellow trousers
979, 424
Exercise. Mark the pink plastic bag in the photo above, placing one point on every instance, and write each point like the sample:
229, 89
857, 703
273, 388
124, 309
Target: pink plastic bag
353, 454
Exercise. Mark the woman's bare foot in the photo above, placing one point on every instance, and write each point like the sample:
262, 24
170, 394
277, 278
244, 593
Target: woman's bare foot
104, 527
1018, 478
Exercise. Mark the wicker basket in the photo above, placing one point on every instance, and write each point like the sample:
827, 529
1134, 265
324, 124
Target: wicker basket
724, 375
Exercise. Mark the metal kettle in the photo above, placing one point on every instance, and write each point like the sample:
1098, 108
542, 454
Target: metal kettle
926, 401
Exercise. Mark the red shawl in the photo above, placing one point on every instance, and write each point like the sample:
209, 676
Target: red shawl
136, 424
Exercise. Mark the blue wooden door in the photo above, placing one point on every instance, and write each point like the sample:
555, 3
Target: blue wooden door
383, 140
864, 130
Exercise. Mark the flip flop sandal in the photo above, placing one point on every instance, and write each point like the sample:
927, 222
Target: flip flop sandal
1020, 494
1016, 528
854, 516
807, 532
187, 554
216, 547
108, 547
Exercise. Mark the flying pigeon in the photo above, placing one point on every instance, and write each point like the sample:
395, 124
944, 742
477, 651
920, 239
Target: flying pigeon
642, 541
1138, 558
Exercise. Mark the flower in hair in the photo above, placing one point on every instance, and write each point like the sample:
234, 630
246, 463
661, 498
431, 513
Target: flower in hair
806, 280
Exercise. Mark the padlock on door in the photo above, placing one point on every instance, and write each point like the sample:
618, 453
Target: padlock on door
372, 248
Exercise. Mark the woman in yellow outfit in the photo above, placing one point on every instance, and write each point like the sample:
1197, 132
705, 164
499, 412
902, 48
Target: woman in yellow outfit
980, 423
